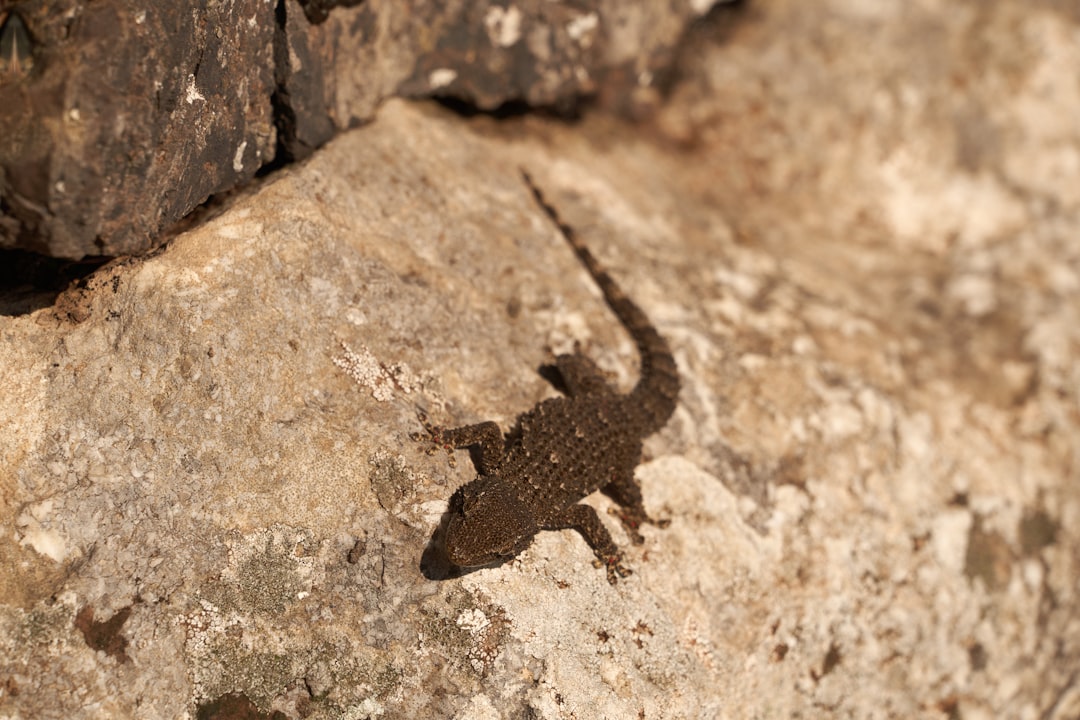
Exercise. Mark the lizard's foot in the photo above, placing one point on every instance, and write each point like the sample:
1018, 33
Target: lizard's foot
632, 521
434, 436
615, 568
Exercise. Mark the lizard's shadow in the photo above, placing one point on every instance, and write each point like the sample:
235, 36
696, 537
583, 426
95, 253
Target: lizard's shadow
550, 373
434, 563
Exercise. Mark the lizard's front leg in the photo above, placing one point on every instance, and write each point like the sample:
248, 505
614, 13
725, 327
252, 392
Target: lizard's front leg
485, 437
585, 520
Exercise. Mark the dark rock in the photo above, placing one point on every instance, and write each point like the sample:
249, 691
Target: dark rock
118, 118
130, 115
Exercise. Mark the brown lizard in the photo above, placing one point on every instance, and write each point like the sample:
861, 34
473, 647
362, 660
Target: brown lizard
564, 448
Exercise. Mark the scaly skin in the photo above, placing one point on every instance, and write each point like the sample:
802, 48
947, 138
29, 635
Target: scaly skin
565, 448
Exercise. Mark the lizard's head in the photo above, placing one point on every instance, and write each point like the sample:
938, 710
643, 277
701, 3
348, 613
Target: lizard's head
490, 523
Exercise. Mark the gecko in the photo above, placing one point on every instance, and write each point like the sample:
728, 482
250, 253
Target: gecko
565, 447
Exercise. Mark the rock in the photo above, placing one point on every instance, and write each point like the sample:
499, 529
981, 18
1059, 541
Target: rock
115, 133
870, 477
119, 118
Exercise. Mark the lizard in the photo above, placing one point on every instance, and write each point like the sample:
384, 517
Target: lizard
565, 447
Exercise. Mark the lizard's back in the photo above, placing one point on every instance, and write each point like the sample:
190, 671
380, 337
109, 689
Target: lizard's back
652, 401
569, 447
565, 448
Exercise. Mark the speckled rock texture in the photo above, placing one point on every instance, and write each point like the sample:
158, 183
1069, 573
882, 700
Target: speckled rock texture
856, 226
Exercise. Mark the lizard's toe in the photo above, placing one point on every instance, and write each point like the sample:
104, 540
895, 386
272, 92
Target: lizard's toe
615, 568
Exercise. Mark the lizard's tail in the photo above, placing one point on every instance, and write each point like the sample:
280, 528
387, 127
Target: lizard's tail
657, 391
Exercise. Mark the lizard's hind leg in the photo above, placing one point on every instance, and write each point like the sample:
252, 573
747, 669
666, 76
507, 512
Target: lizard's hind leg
576, 374
585, 520
626, 492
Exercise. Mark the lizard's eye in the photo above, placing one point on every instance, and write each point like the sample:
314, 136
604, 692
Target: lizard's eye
470, 499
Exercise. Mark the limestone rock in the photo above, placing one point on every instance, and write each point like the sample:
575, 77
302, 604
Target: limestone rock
212, 503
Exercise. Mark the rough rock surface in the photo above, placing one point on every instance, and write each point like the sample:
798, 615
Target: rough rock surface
864, 259
126, 116
119, 117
